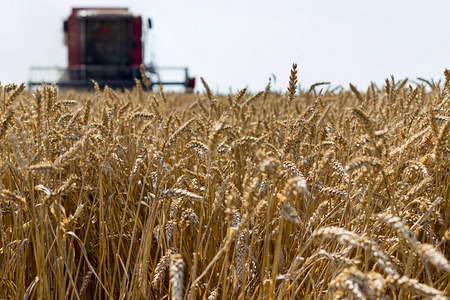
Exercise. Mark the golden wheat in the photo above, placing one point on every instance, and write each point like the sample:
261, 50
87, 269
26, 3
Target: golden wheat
308, 195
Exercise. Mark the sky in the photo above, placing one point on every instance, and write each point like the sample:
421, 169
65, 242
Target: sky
235, 44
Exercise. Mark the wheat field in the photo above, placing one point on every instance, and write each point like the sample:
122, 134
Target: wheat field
314, 194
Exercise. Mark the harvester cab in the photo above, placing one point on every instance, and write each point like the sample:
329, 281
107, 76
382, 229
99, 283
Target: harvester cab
106, 45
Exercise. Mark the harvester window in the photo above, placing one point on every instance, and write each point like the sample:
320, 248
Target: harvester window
107, 42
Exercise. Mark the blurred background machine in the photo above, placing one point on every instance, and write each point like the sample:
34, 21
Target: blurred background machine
106, 45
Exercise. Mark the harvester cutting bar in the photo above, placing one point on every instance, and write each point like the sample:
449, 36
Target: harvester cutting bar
113, 76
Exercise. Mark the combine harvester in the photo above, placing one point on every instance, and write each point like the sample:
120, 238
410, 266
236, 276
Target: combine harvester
106, 45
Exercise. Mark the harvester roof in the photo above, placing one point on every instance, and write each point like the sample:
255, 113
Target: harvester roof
94, 12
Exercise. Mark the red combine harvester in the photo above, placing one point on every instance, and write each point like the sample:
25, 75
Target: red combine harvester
106, 45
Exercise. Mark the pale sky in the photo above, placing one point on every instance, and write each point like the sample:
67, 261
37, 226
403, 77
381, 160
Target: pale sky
236, 43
